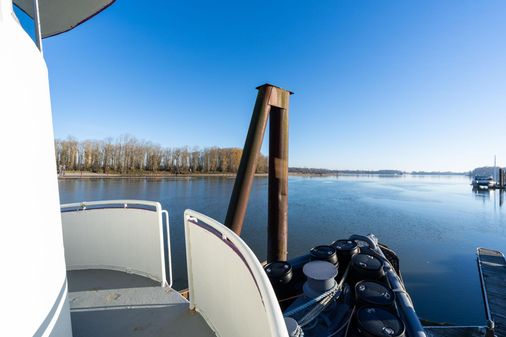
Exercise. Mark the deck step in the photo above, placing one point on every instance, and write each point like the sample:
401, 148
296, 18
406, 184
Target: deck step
492, 267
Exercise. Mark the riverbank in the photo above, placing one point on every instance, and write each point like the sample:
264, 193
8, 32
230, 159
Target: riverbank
92, 175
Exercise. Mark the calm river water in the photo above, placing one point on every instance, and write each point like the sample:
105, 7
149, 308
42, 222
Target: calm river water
434, 223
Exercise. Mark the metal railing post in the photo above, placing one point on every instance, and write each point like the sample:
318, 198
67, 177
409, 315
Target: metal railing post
36, 21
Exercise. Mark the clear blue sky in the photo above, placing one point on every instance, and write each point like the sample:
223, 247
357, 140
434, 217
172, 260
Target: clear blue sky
378, 84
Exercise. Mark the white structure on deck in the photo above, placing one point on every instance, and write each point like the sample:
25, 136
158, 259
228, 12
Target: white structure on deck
122, 235
229, 291
31, 246
227, 284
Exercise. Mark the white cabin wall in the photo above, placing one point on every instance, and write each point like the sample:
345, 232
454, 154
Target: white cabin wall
33, 281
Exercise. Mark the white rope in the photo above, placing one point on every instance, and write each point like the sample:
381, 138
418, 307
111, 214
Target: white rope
311, 315
334, 290
312, 301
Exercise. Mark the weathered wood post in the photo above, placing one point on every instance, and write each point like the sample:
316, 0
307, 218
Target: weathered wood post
277, 225
272, 101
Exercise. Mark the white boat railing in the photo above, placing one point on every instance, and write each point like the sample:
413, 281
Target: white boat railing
227, 283
123, 235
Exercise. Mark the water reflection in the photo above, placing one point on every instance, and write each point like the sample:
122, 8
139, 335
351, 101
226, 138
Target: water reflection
486, 195
481, 194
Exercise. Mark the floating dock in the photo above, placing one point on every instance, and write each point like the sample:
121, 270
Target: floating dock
492, 267
455, 331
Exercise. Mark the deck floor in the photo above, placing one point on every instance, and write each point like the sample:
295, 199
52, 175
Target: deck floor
100, 279
136, 309
493, 269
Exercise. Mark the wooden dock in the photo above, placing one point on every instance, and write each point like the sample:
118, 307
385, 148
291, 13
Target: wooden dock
492, 270
455, 331
492, 267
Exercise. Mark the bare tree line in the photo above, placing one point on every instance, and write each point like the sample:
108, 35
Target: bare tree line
128, 155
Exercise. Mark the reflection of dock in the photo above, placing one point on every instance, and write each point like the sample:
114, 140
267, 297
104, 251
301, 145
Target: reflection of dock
485, 195
501, 183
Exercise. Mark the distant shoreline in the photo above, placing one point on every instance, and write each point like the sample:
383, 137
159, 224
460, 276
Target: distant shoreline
92, 175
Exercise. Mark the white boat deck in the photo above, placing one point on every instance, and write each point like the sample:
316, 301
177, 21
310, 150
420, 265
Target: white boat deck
100, 279
138, 307
119, 276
